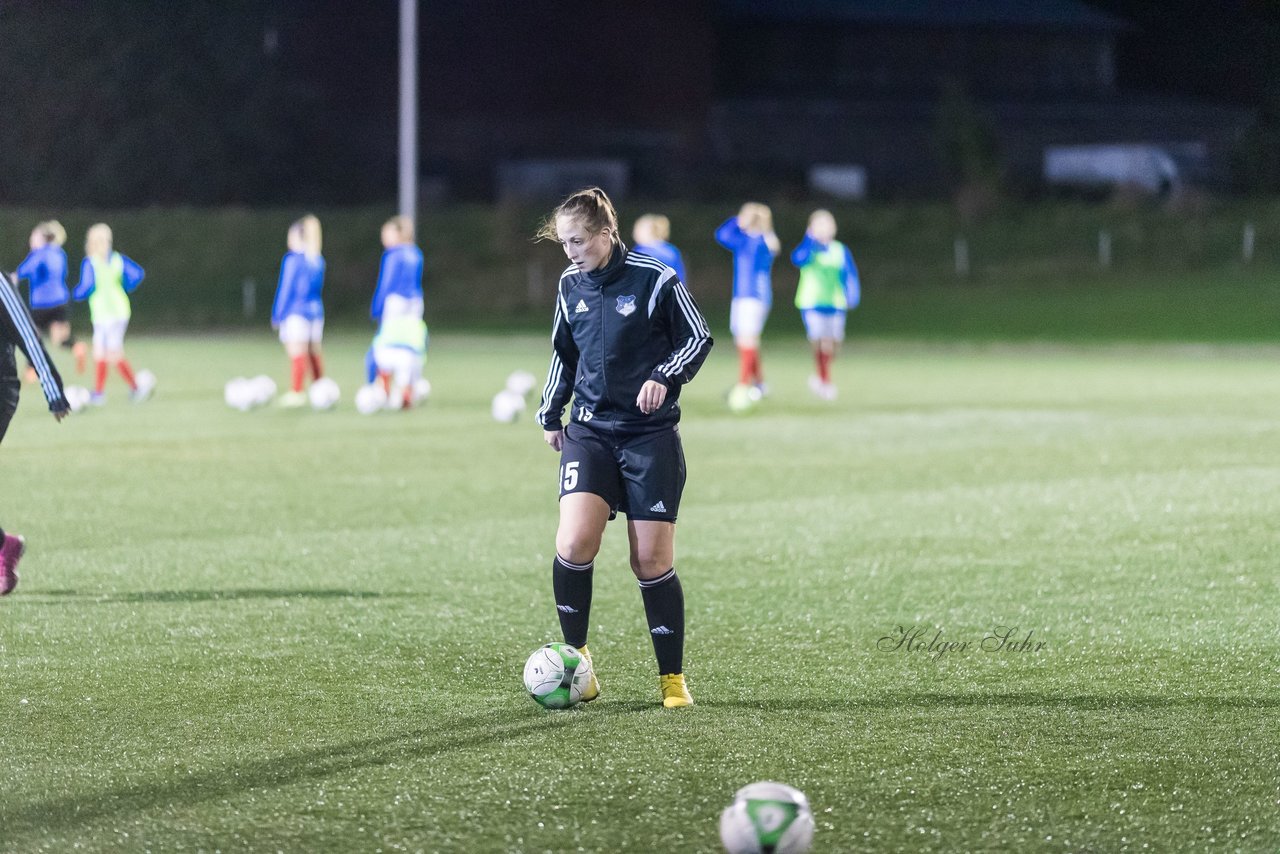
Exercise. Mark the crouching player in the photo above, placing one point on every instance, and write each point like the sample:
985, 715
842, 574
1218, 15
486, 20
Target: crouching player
106, 280
17, 328
626, 337
399, 351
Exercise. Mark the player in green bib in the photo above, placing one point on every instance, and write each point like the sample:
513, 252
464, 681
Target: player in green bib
106, 280
828, 289
399, 351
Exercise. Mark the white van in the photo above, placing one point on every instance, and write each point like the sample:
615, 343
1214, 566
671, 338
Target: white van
1148, 167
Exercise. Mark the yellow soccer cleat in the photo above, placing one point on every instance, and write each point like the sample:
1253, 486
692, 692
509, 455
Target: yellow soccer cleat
675, 694
593, 687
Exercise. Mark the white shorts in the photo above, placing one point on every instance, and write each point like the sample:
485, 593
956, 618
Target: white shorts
108, 335
404, 366
823, 324
297, 329
747, 316
398, 306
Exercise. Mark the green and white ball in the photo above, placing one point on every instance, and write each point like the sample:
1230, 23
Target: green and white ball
767, 818
556, 675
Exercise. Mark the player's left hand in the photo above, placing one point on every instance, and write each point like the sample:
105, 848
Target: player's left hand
652, 395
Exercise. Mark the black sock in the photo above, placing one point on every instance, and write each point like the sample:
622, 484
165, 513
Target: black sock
572, 586
664, 608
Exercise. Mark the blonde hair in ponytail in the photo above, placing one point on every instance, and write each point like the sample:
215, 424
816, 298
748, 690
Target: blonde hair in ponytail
590, 207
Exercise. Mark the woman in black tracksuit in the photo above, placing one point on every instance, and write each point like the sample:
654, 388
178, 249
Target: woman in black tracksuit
627, 336
17, 328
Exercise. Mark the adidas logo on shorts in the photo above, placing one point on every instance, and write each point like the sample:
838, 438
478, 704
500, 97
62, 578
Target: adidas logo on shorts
658, 508
582, 307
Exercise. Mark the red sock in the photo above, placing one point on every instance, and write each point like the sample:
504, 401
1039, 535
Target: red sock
99, 375
127, 372
386, 382
746, 364
317, 366
298, 365
756, 373
824, 366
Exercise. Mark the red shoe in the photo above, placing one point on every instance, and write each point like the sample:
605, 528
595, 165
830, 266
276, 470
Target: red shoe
10, 553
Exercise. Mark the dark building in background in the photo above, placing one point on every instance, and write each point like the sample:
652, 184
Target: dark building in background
120, 103
699, 97
861, 82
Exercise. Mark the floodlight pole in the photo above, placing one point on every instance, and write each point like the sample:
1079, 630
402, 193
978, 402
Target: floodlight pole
409, 109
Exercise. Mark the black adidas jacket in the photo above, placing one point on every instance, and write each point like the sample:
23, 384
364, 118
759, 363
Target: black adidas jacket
615, 328
17, 328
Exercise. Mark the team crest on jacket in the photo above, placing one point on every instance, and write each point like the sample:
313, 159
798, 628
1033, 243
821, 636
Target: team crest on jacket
626, 305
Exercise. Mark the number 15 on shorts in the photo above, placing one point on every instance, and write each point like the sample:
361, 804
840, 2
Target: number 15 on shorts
569, 476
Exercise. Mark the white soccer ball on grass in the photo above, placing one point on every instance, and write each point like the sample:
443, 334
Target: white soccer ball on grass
371, 398
506, 406
521, 382
77, 396
262, 389
324, 394
238, 394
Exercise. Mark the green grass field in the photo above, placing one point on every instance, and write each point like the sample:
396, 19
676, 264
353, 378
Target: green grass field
304, 631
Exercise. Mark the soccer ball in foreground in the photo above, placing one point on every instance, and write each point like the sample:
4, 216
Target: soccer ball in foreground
323, 393
556, 675
767, 817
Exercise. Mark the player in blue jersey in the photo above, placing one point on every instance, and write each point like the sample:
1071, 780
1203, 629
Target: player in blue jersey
298, 313
749, 236
627, 336
45, 270
399, 291
17, 329
651, 234
827, 291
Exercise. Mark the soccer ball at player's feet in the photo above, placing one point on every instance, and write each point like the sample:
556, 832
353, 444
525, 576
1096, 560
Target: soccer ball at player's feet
10, 553
557, 675
324, 394
767, 817
146, 386
822, 390
742, 398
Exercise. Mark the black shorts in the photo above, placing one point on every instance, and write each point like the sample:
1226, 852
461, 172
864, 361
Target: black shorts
641, 476
45, 317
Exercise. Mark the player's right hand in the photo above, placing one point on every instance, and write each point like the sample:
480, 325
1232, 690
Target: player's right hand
554, 438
